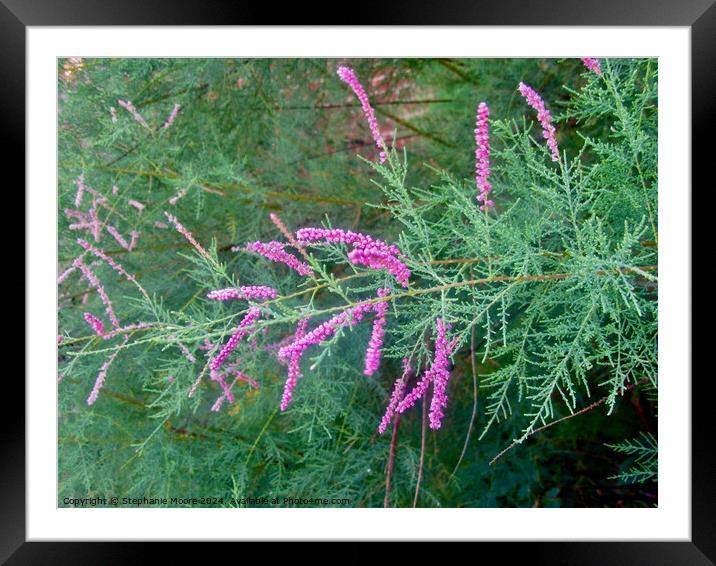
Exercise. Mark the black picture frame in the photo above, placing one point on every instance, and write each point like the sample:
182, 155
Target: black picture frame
699, 15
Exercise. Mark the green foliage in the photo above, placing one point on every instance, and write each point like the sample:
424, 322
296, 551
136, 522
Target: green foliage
644, 463
551, 295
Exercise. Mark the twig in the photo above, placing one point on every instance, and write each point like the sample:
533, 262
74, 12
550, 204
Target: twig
474, 401
567, 417
391, 460
422, 453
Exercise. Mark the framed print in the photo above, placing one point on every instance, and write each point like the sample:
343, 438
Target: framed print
427, 278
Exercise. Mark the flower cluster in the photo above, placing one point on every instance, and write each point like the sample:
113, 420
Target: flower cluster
129, 107
368, 251
348, 76
438, 374
592, 64
275, 251
243, 293
99, 382
172, 116
95, 324
397, 396
253, 314
543, 115
294, 351
95, 282
482, 155
294, 366
372, 353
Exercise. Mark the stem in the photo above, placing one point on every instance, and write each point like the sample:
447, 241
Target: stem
567, 417
422, 452
391, 460
474, 401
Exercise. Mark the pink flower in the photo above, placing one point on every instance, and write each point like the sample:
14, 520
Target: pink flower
129, 107
117, 236
94, 282
368, 251
372, 353
113, 113
294, 366
66, 274
172, 116
294, 351
219, 378
348, 76
275, 252
133, 242
379, 259
103, 256
253, 314
136, 204
80, 190
99, 382
482, 155
592, 64
94, 323
441, 375
243, 293
544, 116
337, 235
396, 397
438, 374
188, 235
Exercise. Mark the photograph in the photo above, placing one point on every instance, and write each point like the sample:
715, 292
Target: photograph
343, 282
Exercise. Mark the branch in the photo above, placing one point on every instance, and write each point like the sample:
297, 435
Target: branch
580, 412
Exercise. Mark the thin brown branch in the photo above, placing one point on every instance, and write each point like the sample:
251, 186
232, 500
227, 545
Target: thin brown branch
474, 401
567, 417
422, 452
391, 461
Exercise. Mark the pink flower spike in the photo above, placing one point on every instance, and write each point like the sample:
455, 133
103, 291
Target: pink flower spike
129, 107
80, 190
117, 236
136, 204
482, 154
99, 382
113, 114
372, 353
253, 314
66, 273
188, 235
294, 366
543, 115
94, 323
294, 351
441, 375
172, 116
219, 378
133, 242
396, 397
337, 235
275, 252
94, 282
379, 259
592, 64
243, 293
348, 76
